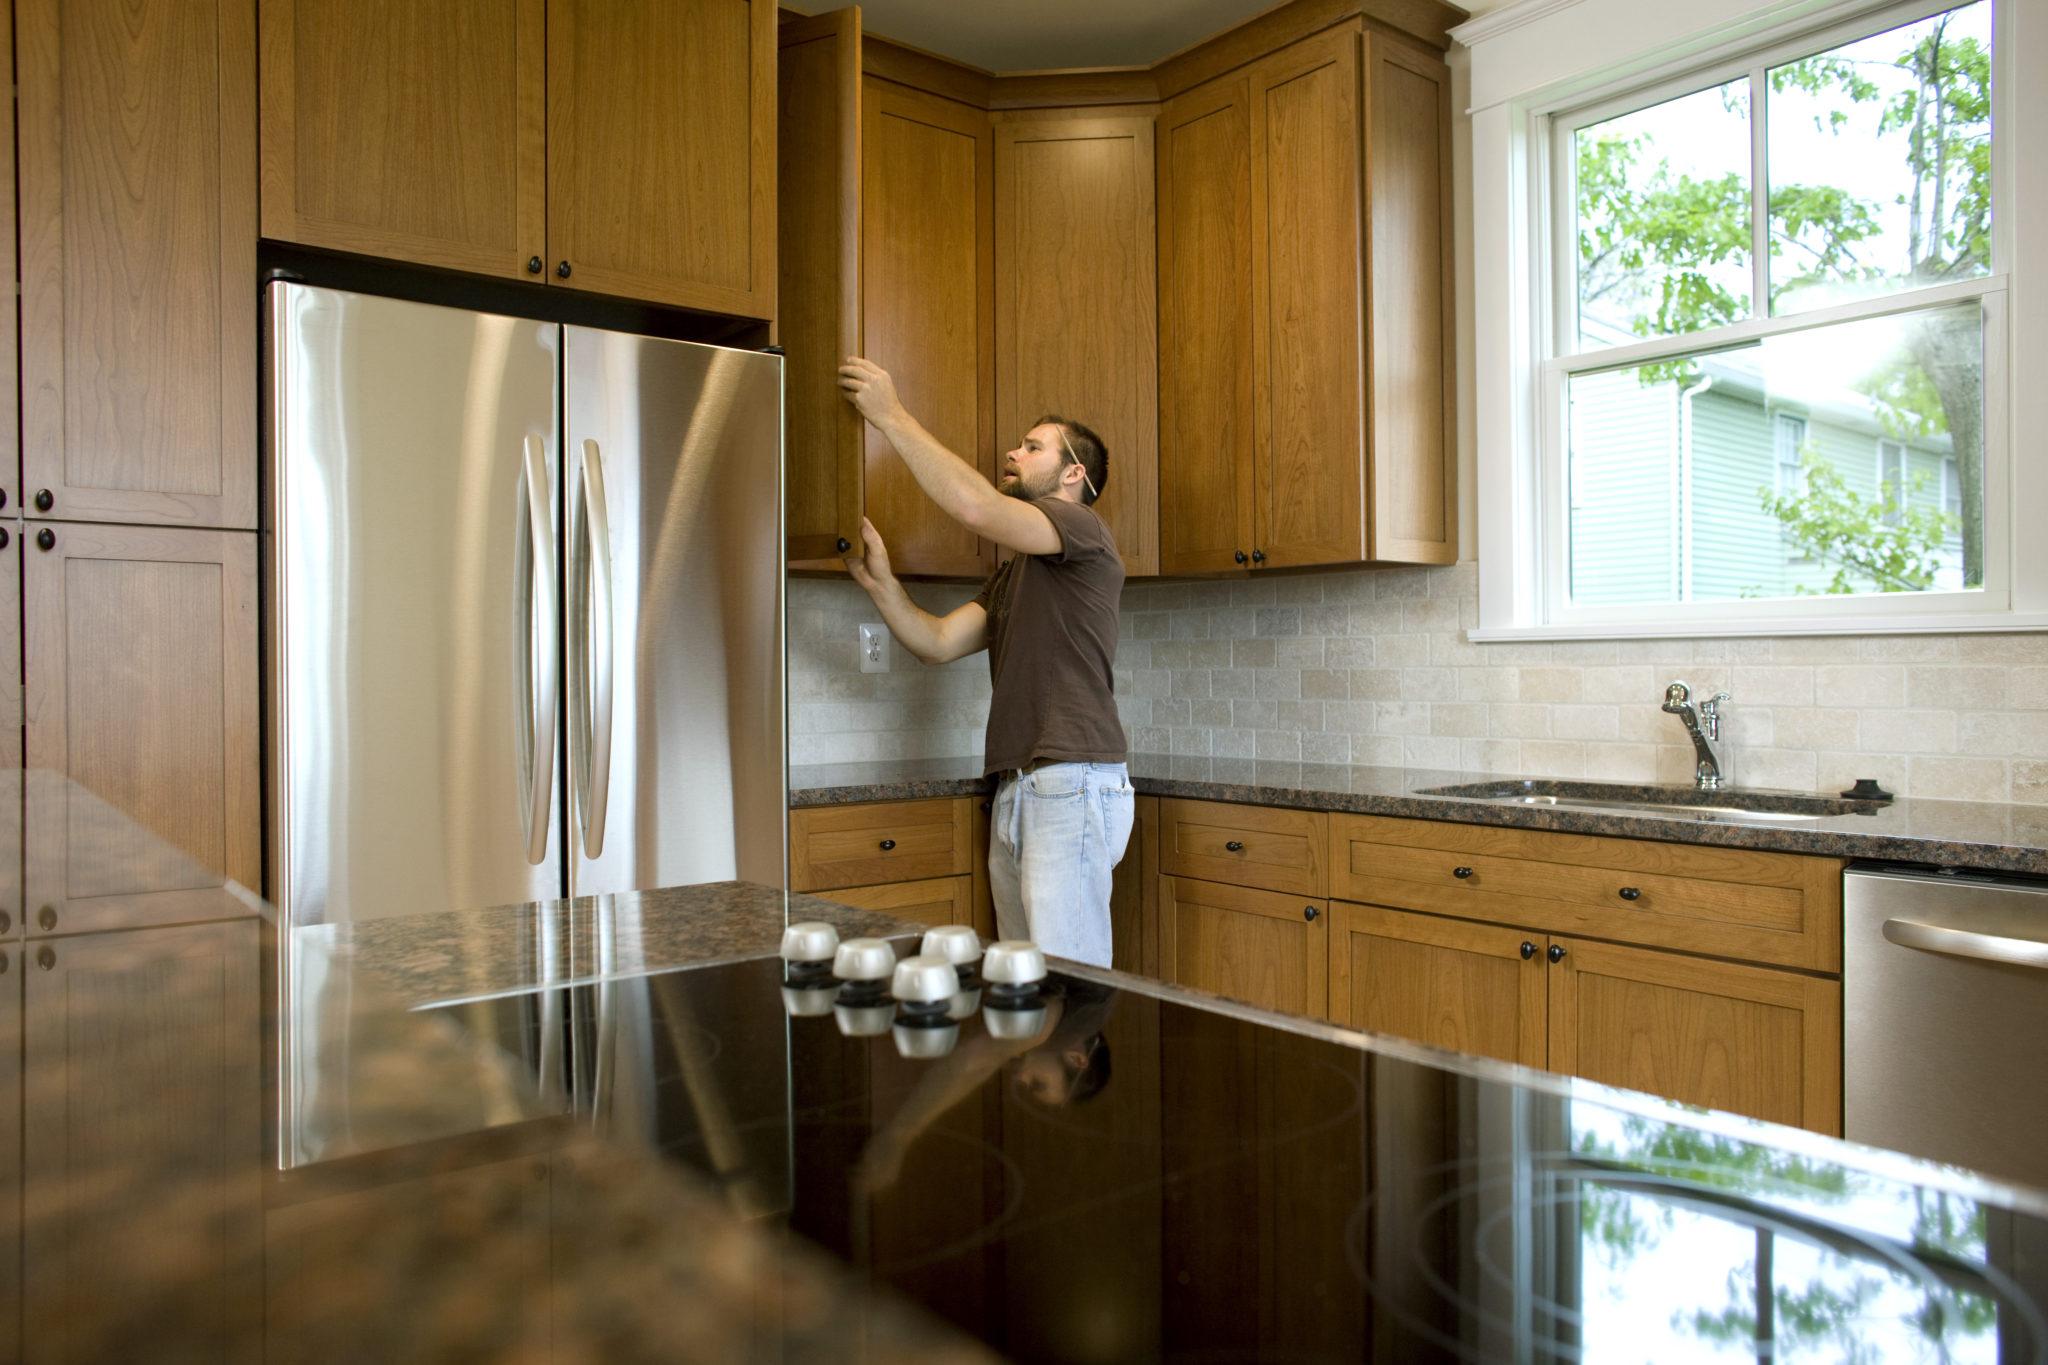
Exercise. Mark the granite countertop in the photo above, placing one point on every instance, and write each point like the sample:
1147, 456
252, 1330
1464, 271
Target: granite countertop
1990, 836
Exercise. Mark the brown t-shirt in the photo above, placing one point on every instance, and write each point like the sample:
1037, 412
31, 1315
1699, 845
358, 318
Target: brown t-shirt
1051, 642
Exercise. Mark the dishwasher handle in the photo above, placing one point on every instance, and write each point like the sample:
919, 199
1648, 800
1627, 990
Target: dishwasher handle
1942, 938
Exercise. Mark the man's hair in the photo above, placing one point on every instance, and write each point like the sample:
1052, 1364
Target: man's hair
1088, 449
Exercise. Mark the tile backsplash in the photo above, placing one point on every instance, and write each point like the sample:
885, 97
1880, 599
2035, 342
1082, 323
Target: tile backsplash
1372, 666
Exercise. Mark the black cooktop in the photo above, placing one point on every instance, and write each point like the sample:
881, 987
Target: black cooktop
1129, 1177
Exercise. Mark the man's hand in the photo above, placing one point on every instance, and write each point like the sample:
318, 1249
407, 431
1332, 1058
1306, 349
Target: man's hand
870, 389
870, 568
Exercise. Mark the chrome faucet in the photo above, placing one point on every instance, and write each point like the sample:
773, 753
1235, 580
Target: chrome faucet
1703, 723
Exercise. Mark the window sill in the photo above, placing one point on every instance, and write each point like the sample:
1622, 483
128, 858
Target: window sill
1975, 623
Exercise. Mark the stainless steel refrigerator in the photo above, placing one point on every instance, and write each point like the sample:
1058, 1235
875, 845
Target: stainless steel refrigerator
525, 612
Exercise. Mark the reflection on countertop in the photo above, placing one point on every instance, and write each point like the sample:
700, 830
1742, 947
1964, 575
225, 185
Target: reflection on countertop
1992, 836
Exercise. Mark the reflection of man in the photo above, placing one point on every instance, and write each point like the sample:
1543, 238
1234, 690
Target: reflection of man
1063, 809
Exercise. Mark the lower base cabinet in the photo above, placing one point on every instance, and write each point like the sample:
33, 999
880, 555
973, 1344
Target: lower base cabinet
1266, 948
1756, 1041
938, 900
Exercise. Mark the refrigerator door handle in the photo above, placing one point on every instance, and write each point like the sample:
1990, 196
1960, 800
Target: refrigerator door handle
598, 659
541, 646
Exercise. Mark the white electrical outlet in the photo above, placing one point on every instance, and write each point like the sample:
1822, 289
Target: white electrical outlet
874, 648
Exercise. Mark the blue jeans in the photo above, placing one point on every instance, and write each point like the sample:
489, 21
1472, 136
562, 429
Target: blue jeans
1054, 836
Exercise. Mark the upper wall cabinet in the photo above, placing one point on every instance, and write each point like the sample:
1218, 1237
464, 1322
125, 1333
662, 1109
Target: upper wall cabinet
1304, 302
623, 146
1076, 311
886, 202
137, 170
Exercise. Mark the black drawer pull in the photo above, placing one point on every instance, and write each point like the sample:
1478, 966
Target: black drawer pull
1309, 912
888, 844
1461, 873
1528, 950
1629, 893
1557, 952
1234, 846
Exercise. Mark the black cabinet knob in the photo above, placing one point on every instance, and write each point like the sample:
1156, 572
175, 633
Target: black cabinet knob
45, 499
534, 265
1528, 950
888, 844
46, 538
48, 917
1258, 556
1461, 873
1309, 912
1240, 556
3, 964
46, 959
5, 539
985, 805
562, 269
1629, 893
3, 497
1235, 846
1556, 953
844, 545
6, 921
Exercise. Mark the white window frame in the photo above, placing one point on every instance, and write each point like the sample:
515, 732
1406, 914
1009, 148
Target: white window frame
1523, 520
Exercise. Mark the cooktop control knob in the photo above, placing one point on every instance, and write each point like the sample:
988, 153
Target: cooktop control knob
864, 962
956, 943
925, 983
1013, 962
807, 1002
922, 1041
809, 944
864, 1021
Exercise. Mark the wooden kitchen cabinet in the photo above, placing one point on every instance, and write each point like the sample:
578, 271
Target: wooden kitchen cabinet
1477, 988
866, 844
1305, 416
1076, 311
143, 725
938, 900
115, 1188
1265, 948
11, 771
413, 129
1751, 1040
137, 171
1134, 895
621, 146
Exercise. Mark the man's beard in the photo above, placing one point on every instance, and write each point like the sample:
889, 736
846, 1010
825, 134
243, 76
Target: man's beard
1016, 487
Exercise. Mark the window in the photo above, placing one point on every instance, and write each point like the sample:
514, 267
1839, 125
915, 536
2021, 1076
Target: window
1759, 272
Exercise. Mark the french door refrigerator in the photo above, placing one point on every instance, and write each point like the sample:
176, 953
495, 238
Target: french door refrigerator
526, 615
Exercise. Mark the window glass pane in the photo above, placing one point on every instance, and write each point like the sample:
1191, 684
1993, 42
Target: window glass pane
1879, 163
1677, 479
1662, 214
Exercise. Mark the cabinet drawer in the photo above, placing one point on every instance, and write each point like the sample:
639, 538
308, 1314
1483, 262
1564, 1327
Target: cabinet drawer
883, 841
1782, 908
1275, 850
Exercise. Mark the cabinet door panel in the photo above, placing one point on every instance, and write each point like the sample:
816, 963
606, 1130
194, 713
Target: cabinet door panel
1414, 497
138, 259
1466, 987
407, 128
661, 150
927, 295
1307, 330
942, 900
142, 712
1751, 1040
1261, 947
1205, 330
11, 772
1076, 307
116, 1187
818, 208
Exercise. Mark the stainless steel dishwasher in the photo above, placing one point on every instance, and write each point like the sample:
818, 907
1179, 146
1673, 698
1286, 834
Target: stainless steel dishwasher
1945, 1017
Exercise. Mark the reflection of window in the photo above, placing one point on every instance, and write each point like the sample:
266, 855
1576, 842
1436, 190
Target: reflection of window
1952, 490
1803, 227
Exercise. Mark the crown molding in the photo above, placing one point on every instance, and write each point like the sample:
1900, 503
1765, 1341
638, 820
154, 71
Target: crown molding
1473, 32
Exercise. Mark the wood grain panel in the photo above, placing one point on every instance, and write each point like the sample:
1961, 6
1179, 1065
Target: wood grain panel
1746, 1039
143, 712
11, 774
1076, 304
1279, 850
13, 964
1307, 339
938, 900
927, 292
818, 206
1261, 947
1466, 987
138, 259
661, 150
1273, 29
115, 1187
839, 846
980, 808
410, 130
10, 318
1414, 496
1765, 907
1205, 330
1134, 894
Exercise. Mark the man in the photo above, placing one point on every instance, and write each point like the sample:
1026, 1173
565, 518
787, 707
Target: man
1063, 809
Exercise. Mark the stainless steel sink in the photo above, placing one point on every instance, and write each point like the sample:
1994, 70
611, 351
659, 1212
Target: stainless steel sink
1681, 803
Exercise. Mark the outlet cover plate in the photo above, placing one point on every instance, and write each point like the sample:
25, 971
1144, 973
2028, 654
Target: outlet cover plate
874, 648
